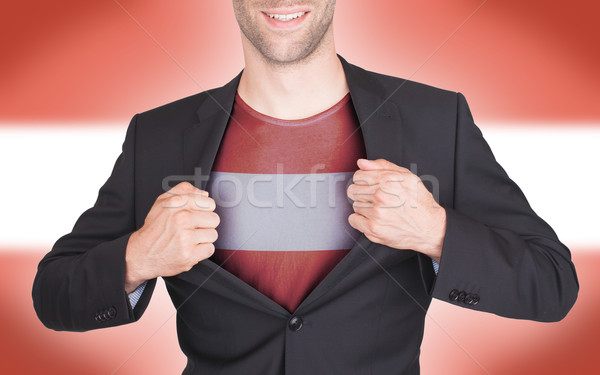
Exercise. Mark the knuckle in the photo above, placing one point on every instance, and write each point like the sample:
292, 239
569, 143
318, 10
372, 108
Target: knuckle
191, 262
181, 189
174, 201
380, 196
391, 177
184, 238
373, 228
192, 258
185, 186
368, 226
184, 254
181, 217
410, 177
376, 213
359, 176
178, 189
387, 198
418, 184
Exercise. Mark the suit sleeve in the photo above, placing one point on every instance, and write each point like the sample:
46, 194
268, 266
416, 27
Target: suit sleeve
79, 284
498, 256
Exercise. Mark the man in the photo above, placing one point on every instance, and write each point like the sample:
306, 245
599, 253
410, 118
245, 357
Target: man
271, 268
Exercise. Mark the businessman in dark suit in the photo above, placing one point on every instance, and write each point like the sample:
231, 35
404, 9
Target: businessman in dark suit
342, 289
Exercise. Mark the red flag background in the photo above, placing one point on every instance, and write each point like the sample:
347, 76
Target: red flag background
73, 73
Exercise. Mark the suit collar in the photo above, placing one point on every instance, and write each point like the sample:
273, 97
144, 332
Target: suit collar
220, 100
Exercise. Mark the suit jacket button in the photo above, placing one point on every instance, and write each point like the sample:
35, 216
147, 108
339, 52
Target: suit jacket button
295, 323
105, 316
475, 298
461, 296
469, 299
112, 312
453, 295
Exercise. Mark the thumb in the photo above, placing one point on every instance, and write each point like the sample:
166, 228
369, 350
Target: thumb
369, 165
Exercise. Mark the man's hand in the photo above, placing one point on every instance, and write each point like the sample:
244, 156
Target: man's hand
392, 207
178, 232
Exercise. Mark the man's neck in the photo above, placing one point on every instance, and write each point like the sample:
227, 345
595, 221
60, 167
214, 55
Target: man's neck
293, 91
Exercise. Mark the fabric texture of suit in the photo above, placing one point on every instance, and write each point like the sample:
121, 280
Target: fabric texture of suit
367, 316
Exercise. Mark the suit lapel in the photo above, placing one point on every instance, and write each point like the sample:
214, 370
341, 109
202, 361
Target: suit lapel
380, 124
202, 140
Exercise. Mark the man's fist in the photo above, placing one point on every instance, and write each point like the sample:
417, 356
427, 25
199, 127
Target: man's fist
392, 207
179, 231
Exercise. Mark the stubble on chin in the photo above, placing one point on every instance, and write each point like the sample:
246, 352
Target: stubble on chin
305, 47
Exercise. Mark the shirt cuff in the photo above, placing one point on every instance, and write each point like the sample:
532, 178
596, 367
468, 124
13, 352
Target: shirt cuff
436, 267
134, 296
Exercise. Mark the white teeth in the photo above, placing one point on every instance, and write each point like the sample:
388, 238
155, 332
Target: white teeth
286, 17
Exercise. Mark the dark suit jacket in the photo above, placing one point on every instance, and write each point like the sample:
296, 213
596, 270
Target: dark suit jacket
367, 315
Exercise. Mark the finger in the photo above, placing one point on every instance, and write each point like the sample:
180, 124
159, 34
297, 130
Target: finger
181, 188
204, 251
363, 208
192, 201
196, 219
358, 222
205, 219
204, 235
379, 164
374, 177
362, 193
361, 177
201, 202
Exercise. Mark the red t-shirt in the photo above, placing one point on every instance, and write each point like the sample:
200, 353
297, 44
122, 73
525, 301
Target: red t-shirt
280, 189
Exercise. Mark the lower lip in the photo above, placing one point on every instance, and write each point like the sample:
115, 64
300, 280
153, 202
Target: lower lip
277, 24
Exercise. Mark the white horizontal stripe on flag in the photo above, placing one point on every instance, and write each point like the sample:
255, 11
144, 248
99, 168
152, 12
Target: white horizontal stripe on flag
52, 173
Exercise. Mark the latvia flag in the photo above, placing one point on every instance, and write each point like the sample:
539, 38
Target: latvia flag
73, 73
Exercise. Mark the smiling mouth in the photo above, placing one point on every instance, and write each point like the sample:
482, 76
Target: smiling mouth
286, 17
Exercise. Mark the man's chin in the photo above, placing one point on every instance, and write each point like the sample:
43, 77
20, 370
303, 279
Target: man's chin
289, 54
287, 61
